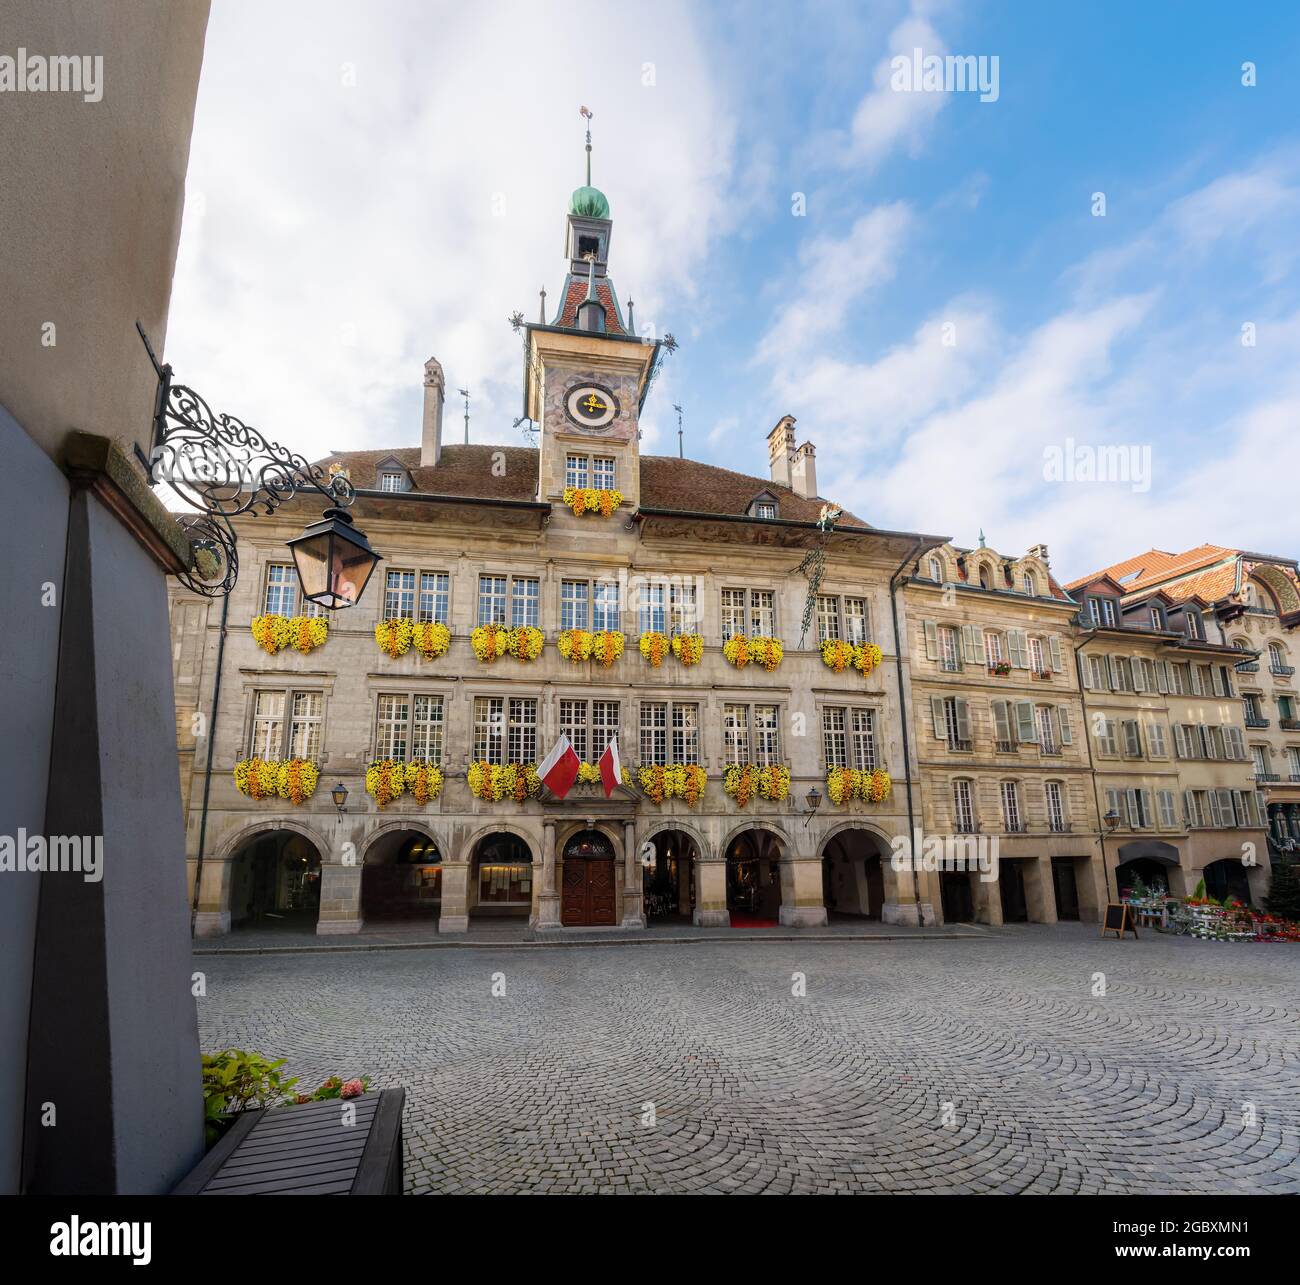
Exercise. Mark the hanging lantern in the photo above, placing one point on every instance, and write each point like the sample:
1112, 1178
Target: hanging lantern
334, 561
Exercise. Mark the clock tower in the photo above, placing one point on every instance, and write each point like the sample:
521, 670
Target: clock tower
586, 374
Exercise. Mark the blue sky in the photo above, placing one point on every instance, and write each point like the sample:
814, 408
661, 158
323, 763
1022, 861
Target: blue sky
947, 309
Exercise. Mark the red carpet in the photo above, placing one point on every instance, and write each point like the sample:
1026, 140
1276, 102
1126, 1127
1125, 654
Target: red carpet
740, 920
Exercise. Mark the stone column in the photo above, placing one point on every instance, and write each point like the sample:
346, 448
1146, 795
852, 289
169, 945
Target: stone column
901, 907
802, 905
633, 900
340, 899
1040, 893
453, 915
711, 893
213, 918
548, 900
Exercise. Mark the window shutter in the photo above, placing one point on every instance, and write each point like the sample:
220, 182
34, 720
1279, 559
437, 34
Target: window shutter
1026, 728
1162, 677
931, 640
963, 719
1196, 680
1112, 673
1139, 678
1131, 806
1054, 650
936, 712
1063, 721
1148, 809
1017, 645
968, 652
1189, 809
1001, 722
1213, 797
1227, 817
1085, 670
1239, 806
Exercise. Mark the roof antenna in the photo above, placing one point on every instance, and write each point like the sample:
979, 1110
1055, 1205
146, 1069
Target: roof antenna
586, 115
678, 409
464, 392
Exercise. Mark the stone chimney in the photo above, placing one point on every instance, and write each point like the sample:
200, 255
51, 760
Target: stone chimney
780, 450
1040, 551
434, 391
803, 471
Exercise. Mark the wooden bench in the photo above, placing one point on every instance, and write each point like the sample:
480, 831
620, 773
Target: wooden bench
307, 1151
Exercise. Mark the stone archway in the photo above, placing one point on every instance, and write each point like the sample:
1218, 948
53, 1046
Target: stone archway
500, 875
670, 885
853, 872
588, 880
754, 869
401, 873
273, 878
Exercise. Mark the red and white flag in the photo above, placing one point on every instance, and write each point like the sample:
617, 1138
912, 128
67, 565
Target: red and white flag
559, 769
611, 768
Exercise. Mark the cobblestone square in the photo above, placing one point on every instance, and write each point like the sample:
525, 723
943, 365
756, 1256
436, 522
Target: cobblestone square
962, 1065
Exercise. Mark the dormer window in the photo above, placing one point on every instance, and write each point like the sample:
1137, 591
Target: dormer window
766, 510
1101, 611
1157, 618
986, 577
936, 570
393, 481
1030, 584
1194, 629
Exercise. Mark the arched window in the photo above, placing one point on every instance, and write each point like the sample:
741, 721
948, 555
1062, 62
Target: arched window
1030, 583
1277, 659
986, 576
936, 570
1240, 644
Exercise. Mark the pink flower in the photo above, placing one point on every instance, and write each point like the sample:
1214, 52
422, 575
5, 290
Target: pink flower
353, 1089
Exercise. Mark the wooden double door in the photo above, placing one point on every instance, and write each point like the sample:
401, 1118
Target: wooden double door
587, 894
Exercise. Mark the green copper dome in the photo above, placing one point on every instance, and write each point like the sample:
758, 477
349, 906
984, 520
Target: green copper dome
590, 202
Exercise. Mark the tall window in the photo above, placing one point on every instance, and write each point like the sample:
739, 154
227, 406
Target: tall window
1047, 741
686, 733
575, 610
590, 726
993, 648
1055, 806
654, 608
573, 723
525, 602
268, 725
835, 742
857, 620
864, 740
1010, 806
392, 727
426, 728
576, 472
604, 725
435, 597
304, 726
491, 600
654, 732
733, 612
762, 612
963, 808
489, 728
399, 594
828, 619
281, 597
683, 609
748, 611
736, 732
602, 473
409, 726
605, 608
1194, 627
949, 653
936, 570
1293, 755
1036, 655
1030, 583
1168, 815
521, 731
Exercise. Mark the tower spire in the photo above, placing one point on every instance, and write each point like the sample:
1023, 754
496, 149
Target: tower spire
586, 115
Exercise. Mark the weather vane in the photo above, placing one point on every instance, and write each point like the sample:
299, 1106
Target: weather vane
585, 113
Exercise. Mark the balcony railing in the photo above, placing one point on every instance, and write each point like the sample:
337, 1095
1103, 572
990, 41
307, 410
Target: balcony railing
1267, 776
1289, 724
1247, 666
1284, 671
1295, 777
1006, 747
1254, 720
966, 827
1014, 827
1058, 827
1052, 751
963, 747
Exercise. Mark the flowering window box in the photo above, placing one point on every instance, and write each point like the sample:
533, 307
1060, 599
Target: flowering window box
1000, 668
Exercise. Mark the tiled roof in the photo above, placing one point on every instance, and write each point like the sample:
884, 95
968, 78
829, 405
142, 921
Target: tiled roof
1154, 567
574, 296
667, 482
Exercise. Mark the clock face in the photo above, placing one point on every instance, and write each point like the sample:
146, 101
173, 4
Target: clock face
591, 407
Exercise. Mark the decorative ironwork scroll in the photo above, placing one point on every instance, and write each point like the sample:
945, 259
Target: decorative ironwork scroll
813, 566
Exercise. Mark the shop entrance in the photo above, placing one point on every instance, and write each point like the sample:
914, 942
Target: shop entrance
1065, 888
1011, 883
275, 882
853, 882
669, 882
402, 877
754, 880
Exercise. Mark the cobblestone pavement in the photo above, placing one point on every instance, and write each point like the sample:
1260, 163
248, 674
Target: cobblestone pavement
977, 1064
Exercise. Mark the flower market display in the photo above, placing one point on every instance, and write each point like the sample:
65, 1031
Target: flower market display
292, 779
524, 642
742, 783
762, 650
845, 783
585, 499
274, 633
688, 648
494, 782
684, 781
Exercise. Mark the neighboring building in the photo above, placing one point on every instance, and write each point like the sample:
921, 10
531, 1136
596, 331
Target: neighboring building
999, 734
475, 535
1168, 744
96, 1014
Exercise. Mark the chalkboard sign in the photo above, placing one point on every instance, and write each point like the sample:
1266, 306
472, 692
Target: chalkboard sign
1119, 920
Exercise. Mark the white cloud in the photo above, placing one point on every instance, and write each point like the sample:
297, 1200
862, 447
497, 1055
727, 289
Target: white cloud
336, 235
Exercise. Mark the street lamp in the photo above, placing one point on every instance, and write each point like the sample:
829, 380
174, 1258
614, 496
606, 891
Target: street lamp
334, 560
1112, 819
340, 796
812, 801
